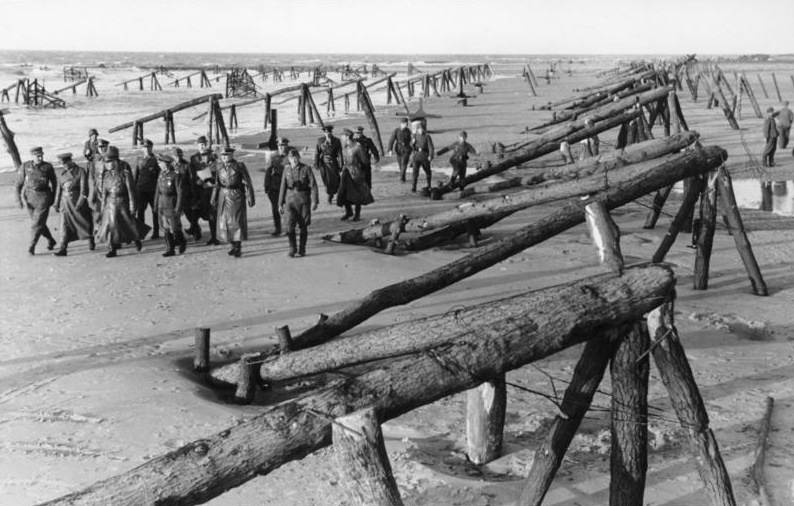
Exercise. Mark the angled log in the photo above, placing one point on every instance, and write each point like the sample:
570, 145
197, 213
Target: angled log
691, 196
539, 324
369, 111
777, 88
671, 361
8, 139
705, 235
161, 114
763, 88
751, 95
734, 220
589, 178
363, 462
680, 167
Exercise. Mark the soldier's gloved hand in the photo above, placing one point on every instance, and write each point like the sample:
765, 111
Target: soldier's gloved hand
281, 208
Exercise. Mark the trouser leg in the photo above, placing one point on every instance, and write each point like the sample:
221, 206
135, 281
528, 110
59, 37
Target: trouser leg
415, 170
304, 234
358, 211
293, 243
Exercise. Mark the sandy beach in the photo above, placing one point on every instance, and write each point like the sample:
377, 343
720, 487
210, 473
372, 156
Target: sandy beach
96, 354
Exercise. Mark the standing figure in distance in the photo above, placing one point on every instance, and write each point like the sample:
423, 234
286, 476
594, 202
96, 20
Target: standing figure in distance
145, 177
460, 155
95, 170
370, 152
168, 200
35, 189
232, 188
784, 119
770, 134
91, 147
71, 200
117, 197
328, 160
423, 150
400, 144
353, 188
298, 191
273, 176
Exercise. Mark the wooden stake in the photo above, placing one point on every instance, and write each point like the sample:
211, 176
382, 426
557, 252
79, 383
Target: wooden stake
763, 88
362, 460
201, 359
757, 469
777, 89
731, 211
687, 206
249, 377
284, 339
485, 418
656, 208
605, 235
705, 236
671, 361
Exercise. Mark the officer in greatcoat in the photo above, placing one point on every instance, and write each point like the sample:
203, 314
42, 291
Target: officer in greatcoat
71, 200
400, 144
328, 160
232, 189
273, 176
370, 152
35, 190
168, 200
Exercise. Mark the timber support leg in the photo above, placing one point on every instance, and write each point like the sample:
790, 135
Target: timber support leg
656, 208
363, 462
485, 420
248, 379
686, 209
705, 236
201, 360
670, 359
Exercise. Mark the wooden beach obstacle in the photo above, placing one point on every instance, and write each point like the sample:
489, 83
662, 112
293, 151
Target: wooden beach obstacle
168, 116
8, 139
33, 94
74, 74
240, 84
90, 89
204, 81
154, 83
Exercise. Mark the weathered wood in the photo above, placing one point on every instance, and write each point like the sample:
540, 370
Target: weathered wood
731, 212
248, 379
757, 469
201, 359
369, 111
705, 236
485, 420
577, 182
605, 235
184, 105
629, 424
683, 166
777, 88
284, 339
763, 88
8, 139
362, 460
745, 84
687, 206
671, 361
535, 329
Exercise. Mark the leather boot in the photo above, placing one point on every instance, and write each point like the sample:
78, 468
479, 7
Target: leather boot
62, 250
213, 237
169, 244
238, 249
112, 253
293, 243
91, 243
302, 244
180, 241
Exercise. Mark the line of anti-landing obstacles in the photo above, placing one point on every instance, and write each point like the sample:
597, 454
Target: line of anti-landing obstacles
211, 466
165, 112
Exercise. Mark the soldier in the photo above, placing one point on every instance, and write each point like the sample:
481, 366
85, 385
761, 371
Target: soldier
298, 191
168, 200
35, 189
191, 210
400, 143
328, 160
273, 176
460, 155
71, 200
204, 170
353, 188
117, 198
770, 135
145, 178
370, 151
232, 188
91, 146
423, 150
95, 170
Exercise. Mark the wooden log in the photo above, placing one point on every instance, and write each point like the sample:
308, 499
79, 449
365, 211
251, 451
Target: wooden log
731, 212
369, 111
8, 139
671, 361
629, 425
777, 88
184, 105
605, 235
313, 108
691, 196
763, 88
362, 460
201, 359
757, 469
485, 420
288, 431
751, 95
705, 236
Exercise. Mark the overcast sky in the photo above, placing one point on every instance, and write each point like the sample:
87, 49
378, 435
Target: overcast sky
402, 26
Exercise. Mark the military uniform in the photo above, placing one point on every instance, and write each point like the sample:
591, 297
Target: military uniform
95, 169
400, 144
458, 160
71, 200
353, 188
770, 134
273, 176
145, 177
298, 190
36, 187
201, 205
422, 146
233, 188
168, 200
328, 159
117, 196
370, 152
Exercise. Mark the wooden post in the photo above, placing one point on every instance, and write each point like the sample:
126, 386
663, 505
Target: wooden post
201, 359
705, 237
284, 339
605, 235
763, 88
485, 419
362, 460
751, 95
687, 206
249, 377
210, 120
220, 126
272, 142
671, 361
731, 211
656, 208
8, 139
402, 98
757, 469
267, 108
777, 89
313, 109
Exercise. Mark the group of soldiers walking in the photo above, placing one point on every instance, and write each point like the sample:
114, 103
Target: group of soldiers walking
107, 200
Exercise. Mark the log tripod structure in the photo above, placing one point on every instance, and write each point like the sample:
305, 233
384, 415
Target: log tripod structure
168, 117
154, 83
240, 84
33, 94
